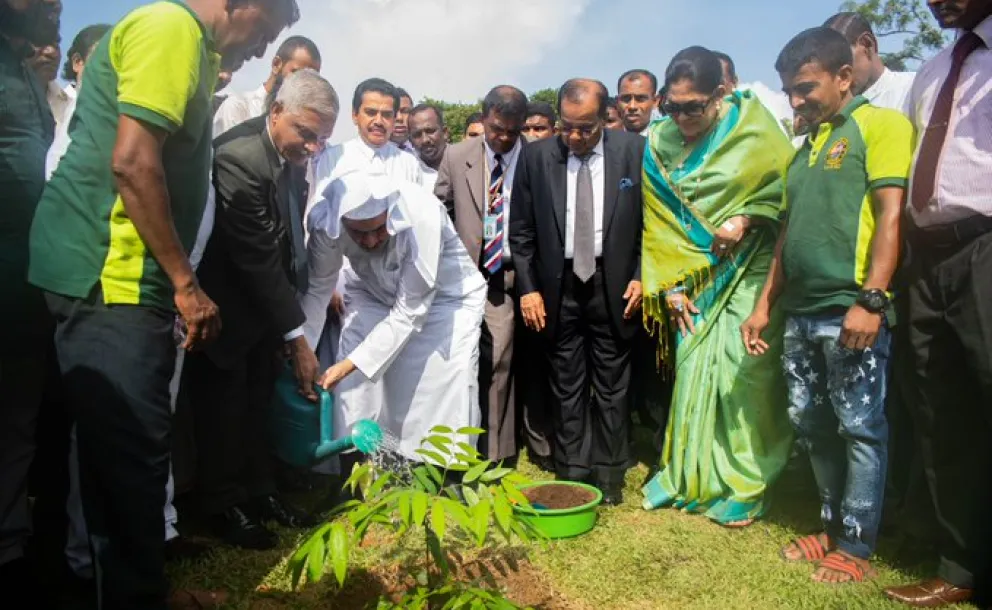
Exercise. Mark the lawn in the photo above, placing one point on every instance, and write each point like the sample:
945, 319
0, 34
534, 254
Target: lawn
633, 560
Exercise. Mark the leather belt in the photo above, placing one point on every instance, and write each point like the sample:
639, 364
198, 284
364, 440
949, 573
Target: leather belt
951, 234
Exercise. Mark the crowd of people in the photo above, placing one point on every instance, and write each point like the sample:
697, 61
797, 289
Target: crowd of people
668, 255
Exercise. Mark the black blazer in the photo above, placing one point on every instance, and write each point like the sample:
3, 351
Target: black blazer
247, 267
537, 222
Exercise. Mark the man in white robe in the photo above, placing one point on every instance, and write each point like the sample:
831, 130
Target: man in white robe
295, 53
414, 304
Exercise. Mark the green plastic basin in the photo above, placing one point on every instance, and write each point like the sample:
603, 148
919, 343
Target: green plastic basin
565, 522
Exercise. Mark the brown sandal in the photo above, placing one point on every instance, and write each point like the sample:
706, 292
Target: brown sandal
812, 548
843, 563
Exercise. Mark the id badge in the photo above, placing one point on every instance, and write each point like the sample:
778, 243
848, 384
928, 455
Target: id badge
489, 227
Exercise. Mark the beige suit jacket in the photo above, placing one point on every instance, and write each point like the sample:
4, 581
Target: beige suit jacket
462, 184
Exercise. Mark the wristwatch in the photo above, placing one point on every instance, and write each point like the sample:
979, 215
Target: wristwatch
874, 300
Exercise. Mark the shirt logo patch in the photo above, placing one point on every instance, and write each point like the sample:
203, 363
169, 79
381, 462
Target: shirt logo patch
837, 153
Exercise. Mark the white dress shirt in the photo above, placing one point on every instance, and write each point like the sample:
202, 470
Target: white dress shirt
238, 108
430, 175
62, 101
891, 90
962, 181
509, 170
63, 107
598, 168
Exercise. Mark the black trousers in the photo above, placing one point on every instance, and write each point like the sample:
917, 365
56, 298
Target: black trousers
24, 346
590, 379
231, 411
950, 311
116, 363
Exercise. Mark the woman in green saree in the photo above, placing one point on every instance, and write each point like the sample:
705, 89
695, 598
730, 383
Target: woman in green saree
712, 191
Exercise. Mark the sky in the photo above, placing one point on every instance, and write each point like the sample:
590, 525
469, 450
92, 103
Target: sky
456, 50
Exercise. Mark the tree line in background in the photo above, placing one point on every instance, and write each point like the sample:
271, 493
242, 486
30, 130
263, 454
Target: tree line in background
908, 22
455, 114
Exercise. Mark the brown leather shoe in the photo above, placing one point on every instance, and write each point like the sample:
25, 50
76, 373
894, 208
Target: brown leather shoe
933, 593
184, 599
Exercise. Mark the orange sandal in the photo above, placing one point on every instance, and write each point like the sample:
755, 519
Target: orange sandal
811, 548
843, 563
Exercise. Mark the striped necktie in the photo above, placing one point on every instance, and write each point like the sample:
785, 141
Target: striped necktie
492, 254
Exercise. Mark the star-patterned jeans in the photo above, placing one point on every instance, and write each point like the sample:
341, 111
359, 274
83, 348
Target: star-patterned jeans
837, 406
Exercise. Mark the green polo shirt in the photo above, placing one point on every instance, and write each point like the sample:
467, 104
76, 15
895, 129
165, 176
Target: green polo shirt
156, 65
829, 205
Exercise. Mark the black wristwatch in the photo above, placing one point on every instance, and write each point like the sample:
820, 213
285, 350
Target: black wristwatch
874, 300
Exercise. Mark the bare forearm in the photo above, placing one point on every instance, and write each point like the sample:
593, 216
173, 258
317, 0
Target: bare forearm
146, 202
885, 245
775, 282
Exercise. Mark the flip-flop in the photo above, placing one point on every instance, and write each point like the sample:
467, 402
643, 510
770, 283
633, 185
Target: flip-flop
811, 547
840, 562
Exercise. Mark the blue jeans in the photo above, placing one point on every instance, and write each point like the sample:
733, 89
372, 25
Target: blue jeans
837, 406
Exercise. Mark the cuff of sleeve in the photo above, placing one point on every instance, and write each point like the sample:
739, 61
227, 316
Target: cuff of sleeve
885, 182
293, 334
363, 363
148, 116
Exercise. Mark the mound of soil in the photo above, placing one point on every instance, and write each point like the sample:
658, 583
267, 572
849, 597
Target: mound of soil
556, 496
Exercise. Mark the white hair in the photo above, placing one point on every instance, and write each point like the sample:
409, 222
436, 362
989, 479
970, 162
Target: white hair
307, 90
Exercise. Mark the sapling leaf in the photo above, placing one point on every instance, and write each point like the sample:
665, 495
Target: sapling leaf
437, 519
419, 508
475, 471
339, 552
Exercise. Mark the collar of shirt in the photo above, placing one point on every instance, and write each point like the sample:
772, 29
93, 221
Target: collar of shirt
282, 162
509, 159
596, 150
984, 31
368, 152
880, 85
57, 92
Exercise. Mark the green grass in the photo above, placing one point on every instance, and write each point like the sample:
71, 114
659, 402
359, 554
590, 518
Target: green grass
633, 560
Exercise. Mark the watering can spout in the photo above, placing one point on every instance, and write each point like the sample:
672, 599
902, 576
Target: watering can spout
366, 436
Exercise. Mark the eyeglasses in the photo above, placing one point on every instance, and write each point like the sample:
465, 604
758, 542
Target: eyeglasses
692, 110
584, 130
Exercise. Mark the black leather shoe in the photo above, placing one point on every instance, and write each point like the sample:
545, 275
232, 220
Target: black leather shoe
184, 549
239, 528
612, 495
271, 508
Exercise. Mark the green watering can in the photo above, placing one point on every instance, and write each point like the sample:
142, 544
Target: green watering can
303, 432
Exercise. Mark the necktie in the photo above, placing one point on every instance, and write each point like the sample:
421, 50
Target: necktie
492, 254
583, 243
925, 173
293, 202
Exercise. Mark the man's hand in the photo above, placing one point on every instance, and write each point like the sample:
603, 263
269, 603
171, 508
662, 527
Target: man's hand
633, 296
337, 305
336, 374
201, 315
532, 307
751, 331
860, 328
305, 367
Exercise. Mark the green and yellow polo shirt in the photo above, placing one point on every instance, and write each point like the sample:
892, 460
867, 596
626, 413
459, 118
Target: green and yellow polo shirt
156, 65
829, 205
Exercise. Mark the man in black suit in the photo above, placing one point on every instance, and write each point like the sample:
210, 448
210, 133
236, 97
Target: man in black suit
255, 266
575, 231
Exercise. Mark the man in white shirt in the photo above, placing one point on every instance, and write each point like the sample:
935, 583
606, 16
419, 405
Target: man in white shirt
374, 108
401, 130
429, 138
881, 86
637, 97
295, 53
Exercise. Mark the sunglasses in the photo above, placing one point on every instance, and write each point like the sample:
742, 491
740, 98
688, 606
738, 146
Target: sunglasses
689, 109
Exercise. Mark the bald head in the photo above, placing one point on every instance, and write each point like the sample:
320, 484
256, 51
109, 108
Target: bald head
582, 91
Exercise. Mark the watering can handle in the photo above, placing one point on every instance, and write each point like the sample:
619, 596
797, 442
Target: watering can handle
326, 416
